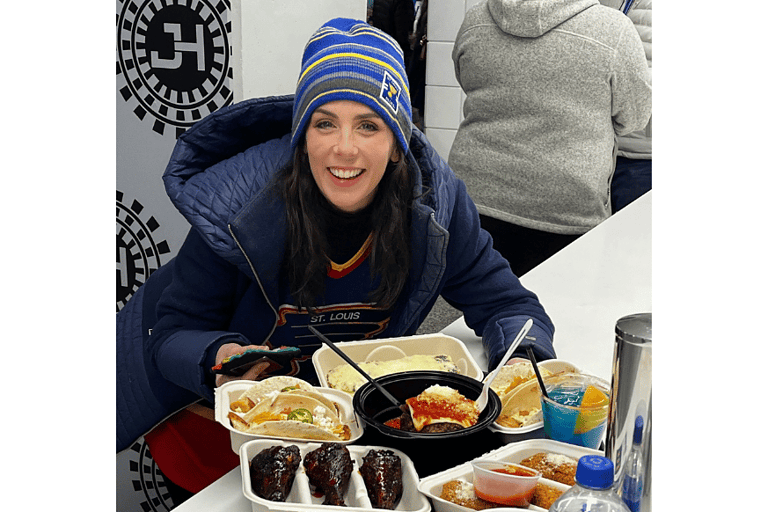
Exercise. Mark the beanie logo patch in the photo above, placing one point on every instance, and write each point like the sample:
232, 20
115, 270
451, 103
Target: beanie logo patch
390, 91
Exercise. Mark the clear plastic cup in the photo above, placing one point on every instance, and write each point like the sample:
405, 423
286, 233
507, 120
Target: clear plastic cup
576, 409
504, 482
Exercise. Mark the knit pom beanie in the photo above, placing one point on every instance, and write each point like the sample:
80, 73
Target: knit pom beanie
348, 59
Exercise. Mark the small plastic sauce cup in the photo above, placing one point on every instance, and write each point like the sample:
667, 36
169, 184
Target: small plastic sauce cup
504, 483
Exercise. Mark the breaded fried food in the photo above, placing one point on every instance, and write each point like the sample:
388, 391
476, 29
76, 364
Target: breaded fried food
544, 495
553, 466
463, 493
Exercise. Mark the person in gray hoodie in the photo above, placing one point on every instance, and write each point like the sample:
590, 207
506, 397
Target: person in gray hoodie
632, 177
550, 85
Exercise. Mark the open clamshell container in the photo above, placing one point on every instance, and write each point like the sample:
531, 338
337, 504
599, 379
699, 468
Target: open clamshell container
231, 391
432, 486
389, 349
534, 430
301, 497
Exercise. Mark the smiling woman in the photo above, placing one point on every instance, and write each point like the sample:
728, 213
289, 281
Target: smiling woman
349, 222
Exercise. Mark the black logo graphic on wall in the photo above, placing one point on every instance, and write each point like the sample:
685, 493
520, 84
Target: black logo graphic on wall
148, 480
173, 59
138, 254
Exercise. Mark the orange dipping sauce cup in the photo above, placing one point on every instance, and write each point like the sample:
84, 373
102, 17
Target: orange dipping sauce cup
504, 483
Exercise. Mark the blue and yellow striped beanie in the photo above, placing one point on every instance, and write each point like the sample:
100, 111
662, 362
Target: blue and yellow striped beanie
348, 59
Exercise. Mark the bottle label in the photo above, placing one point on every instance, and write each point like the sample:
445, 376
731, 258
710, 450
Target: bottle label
632, 492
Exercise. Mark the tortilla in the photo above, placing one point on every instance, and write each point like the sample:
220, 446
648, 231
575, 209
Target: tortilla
512, 375
270, 417
522, 406
442, 404
264, 388
318, 396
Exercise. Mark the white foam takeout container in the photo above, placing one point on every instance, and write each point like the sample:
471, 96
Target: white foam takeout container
231, 391
534, 430
432, 486
390, 349
356, 498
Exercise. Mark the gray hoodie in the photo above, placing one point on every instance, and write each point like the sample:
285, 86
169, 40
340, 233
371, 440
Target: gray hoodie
638, 144
550, 84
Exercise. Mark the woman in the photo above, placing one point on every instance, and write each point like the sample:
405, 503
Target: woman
325, 209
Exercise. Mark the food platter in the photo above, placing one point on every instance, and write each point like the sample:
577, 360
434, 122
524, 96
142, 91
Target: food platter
431, 486
417, 493
302, 497
231, 391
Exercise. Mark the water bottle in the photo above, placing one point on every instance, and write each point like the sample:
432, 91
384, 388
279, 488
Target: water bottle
632, 483
593, 491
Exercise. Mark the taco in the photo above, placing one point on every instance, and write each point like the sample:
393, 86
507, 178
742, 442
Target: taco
293, 415
318, 396
266, 388
512, 375
522, 406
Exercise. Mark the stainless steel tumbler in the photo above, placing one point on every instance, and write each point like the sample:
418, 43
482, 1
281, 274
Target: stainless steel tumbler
631, 397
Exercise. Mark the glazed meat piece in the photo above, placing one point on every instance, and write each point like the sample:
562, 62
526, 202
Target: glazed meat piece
328, 469
273, 470
383, 476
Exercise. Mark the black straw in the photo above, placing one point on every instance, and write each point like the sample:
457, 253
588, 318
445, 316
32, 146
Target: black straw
536, 369
354, 365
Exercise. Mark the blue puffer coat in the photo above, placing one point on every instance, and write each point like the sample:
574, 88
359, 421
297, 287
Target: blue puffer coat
216, 178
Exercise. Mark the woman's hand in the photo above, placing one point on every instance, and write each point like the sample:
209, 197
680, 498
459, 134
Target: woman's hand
230, 349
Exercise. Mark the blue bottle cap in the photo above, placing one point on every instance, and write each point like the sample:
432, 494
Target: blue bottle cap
595, 472
637, 438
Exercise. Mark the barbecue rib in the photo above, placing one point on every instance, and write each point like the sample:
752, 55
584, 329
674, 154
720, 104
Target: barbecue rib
273, 470
383, 476
329, 469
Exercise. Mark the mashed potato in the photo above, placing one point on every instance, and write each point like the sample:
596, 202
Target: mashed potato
346, 378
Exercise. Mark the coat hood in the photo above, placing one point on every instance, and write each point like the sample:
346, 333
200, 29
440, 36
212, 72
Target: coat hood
533, 18
223, 163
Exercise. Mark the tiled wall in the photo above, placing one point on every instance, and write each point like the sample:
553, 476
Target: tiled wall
443, 96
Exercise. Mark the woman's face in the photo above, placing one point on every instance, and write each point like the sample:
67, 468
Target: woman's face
349, 147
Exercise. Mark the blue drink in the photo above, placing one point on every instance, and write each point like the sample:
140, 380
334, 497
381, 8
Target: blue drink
571, 417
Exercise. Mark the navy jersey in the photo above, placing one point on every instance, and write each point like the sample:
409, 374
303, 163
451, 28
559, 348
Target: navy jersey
344, 314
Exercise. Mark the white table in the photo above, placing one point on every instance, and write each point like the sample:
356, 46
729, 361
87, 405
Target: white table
585, 288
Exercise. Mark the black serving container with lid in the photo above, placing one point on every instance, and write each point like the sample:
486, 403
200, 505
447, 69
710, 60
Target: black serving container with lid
430, 452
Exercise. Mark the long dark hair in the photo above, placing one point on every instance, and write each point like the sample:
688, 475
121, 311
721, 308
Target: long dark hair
307, 252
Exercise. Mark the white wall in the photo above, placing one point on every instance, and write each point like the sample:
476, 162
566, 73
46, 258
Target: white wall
444, 98
172, 69
266, 50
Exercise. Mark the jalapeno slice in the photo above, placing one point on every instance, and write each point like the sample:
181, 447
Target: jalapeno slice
302, 415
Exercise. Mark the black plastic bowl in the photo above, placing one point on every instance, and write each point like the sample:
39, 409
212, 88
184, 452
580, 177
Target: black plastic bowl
430, 452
